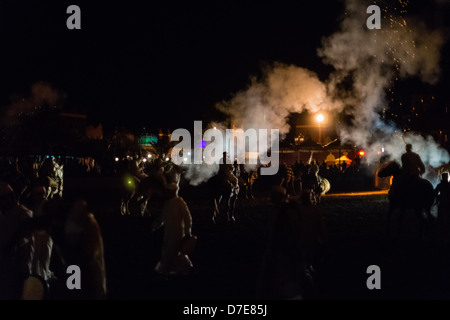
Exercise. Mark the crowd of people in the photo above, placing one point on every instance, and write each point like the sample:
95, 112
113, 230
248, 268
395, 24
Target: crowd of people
39, 244
42, 233
299, 175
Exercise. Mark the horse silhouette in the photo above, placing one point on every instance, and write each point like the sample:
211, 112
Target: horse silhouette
406, 194
316, 184
323, 188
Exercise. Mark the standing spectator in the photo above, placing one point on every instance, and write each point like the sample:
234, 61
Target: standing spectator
226, 171
177, 221
81, 244
344, 166
442, 193
15, 249
287, 181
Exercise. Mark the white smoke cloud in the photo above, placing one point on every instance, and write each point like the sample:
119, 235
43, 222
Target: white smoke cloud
268, 101
365, 62
199, 173
372, 59
41, 93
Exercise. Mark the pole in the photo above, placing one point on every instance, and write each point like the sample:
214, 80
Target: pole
320, 134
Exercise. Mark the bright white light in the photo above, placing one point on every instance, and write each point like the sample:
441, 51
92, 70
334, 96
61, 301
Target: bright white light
320, 118
185, 159
145, 160
189, 153
382, 149
149, 155
215, 128
167, 159
116, 159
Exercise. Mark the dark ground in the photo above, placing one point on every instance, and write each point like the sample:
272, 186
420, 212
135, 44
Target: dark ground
229, 255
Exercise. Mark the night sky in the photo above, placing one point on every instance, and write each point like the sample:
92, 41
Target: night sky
163, 64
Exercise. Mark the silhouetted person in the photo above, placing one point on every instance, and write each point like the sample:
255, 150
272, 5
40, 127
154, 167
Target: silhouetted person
15, 249
412, 165
137, 169
82, 245
298, 178
442, 193
344, 166
312, 179
287, 181
38, 285
248, 178
226, 170
177, 221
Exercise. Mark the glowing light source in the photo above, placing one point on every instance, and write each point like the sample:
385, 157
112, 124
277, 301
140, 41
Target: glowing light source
361, 153
149, 155
320, 118
167, 159
116, 159
147, 140
145, 160
202, 144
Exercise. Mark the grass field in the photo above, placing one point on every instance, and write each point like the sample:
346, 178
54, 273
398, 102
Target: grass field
229, 255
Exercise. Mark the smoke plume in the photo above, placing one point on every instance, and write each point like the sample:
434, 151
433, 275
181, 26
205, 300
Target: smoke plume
366, 63
41, 93
268, 101
372, 60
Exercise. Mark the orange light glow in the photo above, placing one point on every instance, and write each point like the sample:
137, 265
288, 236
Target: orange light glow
320, 118
357, 194
362, 153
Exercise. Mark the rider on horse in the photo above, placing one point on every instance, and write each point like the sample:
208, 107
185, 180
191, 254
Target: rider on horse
411, 172
412, 164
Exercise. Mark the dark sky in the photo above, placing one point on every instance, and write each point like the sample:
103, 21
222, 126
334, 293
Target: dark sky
159, 64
